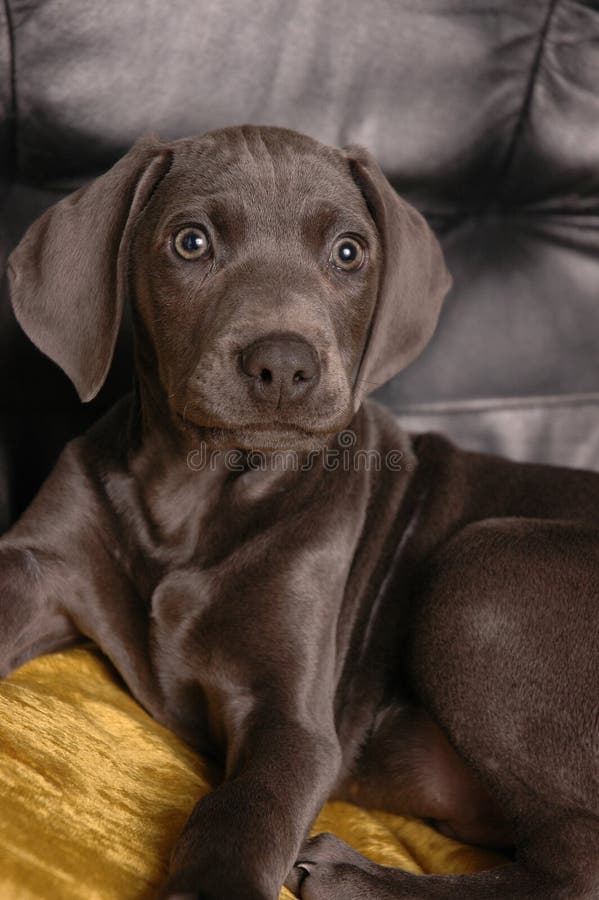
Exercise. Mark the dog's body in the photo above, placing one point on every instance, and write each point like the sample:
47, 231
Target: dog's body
385, 619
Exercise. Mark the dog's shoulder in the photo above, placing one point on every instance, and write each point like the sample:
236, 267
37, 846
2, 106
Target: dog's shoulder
89, 459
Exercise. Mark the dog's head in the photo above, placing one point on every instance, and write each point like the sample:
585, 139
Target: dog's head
274, 282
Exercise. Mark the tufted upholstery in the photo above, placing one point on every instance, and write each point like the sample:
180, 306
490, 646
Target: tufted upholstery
484, 113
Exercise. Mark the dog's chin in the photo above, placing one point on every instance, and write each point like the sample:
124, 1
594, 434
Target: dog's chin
264, 440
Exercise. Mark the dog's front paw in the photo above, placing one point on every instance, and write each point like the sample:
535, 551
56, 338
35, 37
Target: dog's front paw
223, 892
329, 869
204, 884
180, 896
220, 893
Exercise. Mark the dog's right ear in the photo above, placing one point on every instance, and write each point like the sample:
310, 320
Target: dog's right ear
68, 275
414, 278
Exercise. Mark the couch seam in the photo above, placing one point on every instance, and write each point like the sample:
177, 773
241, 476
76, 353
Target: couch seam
528, 93
476, 406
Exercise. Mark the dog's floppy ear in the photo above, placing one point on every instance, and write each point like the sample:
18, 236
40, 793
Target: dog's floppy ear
68, 276
412, 284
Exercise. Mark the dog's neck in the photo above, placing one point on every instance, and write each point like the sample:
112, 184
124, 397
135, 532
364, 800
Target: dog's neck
184, 483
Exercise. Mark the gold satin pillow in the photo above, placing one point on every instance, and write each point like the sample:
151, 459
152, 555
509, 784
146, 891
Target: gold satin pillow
93, 792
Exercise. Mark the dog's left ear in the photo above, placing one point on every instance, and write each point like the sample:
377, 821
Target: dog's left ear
68, 276
413, 279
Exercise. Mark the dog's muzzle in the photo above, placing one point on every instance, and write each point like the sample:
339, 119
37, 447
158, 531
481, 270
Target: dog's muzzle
281, 370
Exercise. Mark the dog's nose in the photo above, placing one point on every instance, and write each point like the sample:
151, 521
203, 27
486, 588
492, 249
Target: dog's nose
283, 368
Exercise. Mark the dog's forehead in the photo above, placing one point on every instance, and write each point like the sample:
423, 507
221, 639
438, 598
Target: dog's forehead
257, 167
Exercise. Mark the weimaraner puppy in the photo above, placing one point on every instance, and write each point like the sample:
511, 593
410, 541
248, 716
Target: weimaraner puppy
321, 603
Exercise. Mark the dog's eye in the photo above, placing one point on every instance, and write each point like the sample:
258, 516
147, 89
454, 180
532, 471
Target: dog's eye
348, 254
191, 243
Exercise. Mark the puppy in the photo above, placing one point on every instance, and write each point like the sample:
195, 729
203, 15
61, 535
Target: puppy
324, 605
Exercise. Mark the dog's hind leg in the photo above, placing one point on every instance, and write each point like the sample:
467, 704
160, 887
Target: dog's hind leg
503, 651
328, 869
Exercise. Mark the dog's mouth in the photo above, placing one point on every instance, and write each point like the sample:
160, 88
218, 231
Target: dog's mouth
262, 436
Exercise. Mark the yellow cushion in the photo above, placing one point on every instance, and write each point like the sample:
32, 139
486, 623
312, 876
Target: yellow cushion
94, 792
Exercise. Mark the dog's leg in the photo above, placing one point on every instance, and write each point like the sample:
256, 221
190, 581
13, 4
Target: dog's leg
44, 567
31, 621
504, 654
329, 869
49, 560
282, 775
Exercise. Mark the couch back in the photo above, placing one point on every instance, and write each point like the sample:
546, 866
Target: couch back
484, 115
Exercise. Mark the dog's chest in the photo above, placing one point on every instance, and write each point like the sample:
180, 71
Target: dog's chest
252, 591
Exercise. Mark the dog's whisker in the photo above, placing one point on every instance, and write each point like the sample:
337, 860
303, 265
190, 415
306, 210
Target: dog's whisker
184, 413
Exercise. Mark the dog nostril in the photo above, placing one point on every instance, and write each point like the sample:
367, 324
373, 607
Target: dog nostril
281, 367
